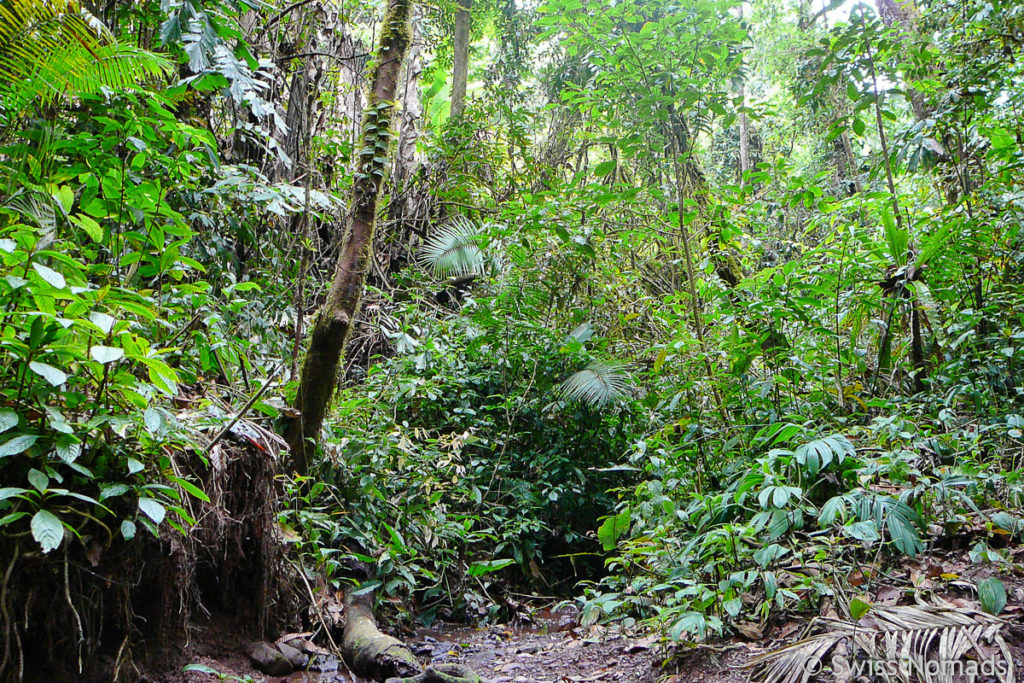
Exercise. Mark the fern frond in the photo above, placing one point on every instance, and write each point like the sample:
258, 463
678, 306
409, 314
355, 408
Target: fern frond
53, 50
453, 251
919, 638
597, 385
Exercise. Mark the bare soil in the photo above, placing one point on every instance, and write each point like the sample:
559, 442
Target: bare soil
553, 648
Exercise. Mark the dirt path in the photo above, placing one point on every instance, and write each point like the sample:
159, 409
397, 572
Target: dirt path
500, 654
546, 655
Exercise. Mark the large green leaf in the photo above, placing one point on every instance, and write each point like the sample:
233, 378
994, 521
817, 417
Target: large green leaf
47, 530
598, 385
612, 529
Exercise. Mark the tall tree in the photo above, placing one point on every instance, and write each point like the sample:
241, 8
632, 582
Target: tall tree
334, 320
460, 60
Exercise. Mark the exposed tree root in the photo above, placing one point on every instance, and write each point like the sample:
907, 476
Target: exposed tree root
377, 655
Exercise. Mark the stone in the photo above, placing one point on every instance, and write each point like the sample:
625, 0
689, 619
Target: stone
269, 659
296, 656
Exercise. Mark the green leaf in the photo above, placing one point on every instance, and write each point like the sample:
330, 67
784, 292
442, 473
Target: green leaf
11, 492
153, 420
111, 490
8, 419
598, 384
134, 466
13, 517
106, 354
368, 587
453, 251
38, 480
52, 277
128, 529
49, 373
604, 168
18, 444
862, 531
68, 451
203, 669
191, 488
47, 530
102, 321
992, 595
481, 568
89, 226
613, 528
733, 607
153, 509
859, 608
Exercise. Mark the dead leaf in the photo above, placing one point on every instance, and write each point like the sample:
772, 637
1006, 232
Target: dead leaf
888, 595
750, 629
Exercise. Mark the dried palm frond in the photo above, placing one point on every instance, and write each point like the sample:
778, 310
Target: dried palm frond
598, 384
915, 643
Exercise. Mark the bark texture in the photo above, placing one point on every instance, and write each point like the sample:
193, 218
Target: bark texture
334, 321
460, 60
378, 656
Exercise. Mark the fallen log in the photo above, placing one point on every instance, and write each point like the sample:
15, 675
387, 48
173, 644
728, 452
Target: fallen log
376, 655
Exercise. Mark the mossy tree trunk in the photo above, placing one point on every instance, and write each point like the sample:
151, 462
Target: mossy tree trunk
379, 657
334, 321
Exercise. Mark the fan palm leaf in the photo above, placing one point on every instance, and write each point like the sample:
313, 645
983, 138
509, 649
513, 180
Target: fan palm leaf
598, 384
928, 642
54, 49
454, 250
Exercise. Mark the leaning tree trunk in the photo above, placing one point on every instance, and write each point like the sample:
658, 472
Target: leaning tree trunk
335, 319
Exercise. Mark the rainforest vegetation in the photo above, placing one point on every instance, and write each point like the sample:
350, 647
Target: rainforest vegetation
696, 315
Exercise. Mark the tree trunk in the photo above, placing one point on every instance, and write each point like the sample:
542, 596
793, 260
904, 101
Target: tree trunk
412, 108
744, 139
744, 133
335, 319
378, 656
902, 13
460, 61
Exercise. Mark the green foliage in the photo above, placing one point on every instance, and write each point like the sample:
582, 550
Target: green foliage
533, 393
58, 50
597, 384
454, 251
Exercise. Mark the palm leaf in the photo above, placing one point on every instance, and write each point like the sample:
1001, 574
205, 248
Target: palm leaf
52, 50
454, 250
914, 635
598, 385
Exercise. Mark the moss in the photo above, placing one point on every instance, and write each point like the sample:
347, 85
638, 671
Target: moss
396, 26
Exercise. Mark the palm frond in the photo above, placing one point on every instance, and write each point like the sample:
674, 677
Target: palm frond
913, 642
454, 250
36, 207
598, 385
50, 50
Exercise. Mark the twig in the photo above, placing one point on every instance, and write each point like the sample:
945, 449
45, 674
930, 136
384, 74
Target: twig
280, 15
316, 609
245, 409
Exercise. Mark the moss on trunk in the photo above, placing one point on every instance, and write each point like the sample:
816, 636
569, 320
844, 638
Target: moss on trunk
377, 655
334, 321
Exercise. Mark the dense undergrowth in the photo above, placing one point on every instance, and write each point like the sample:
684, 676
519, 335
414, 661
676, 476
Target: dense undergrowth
709, 329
